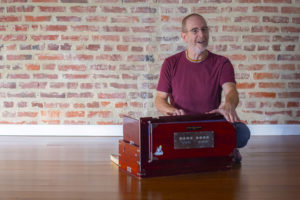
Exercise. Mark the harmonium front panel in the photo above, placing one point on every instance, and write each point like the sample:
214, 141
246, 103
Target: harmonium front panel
190, 140
175, 145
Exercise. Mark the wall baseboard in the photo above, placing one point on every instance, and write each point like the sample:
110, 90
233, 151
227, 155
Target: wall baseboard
116, 130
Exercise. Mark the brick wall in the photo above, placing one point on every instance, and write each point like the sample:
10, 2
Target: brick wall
90, 61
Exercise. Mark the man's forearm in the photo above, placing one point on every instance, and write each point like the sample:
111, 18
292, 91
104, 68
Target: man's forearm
232, 98
163, 106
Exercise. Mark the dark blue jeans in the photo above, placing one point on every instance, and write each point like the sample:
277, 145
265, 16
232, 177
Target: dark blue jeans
242, 134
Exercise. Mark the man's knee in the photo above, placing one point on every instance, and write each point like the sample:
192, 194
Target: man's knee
242, 134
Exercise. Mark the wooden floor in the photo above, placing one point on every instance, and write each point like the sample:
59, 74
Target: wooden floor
69, 168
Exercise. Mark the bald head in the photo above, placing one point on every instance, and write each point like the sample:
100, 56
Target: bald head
185, 19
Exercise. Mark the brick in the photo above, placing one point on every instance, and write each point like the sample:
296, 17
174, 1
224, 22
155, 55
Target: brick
142, 10
68, 19
114, 57
113, 9
262, 48
27, 114
294, 76
94, 104
289, 95
18, 76
113, 38
10, 19
235, 28
122, 47
237, 57
264, 75
45, 1
288, 113
14, 38
293, 104
265, 9
264, 57
290, 48
104, 114
22, 95
81, 28
205, 9
50, 57
120, 95
105, 76
80, 95
35, 85
123, 86
52, 9
37, 18
8, 85
83, 9
288, 38
75, 37
45, 76
262, 94
290, 29
74, 1
277, 1
44, 37
249, 1
288, 57
115, 29
290, 67
8, 104
134, 67
251, 67
256, 38
52, 95
19, 9
294, 85
290, 10
96, 18
72, 67
86, 85
100, 67
125, 19
75, 114
146, 29
251, 19
121, 104
75, 76
271, 85
296, 20
245, 85
275, 19
267, 29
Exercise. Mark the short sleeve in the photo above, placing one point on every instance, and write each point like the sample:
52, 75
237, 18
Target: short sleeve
227, 73
165, 78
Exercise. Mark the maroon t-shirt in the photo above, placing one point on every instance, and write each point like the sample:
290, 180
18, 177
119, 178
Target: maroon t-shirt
195, 87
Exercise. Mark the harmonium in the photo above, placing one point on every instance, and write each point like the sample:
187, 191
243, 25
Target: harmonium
171, 145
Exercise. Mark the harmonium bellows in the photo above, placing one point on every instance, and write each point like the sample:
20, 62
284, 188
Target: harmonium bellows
172, 145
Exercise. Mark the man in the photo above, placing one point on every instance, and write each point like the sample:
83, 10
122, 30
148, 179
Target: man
193, 81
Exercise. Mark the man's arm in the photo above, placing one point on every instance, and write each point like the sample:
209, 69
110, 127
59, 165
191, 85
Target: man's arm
163, 106
227, 108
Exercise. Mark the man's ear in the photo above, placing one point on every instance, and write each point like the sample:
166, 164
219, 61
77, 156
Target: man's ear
183, 36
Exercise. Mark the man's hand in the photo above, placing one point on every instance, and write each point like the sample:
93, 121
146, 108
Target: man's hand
176, 112
163, 106
228, 111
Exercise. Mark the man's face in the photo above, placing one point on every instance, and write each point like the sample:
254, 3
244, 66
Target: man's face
196, 35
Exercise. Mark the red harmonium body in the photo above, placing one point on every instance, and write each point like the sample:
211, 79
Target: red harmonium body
172, 145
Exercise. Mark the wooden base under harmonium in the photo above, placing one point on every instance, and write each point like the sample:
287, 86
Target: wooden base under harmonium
172, 145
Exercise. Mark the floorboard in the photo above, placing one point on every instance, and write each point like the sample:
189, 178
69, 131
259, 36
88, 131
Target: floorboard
73, 168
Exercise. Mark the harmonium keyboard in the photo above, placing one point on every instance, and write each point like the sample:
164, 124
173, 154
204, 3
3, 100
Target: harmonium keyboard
170, 145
